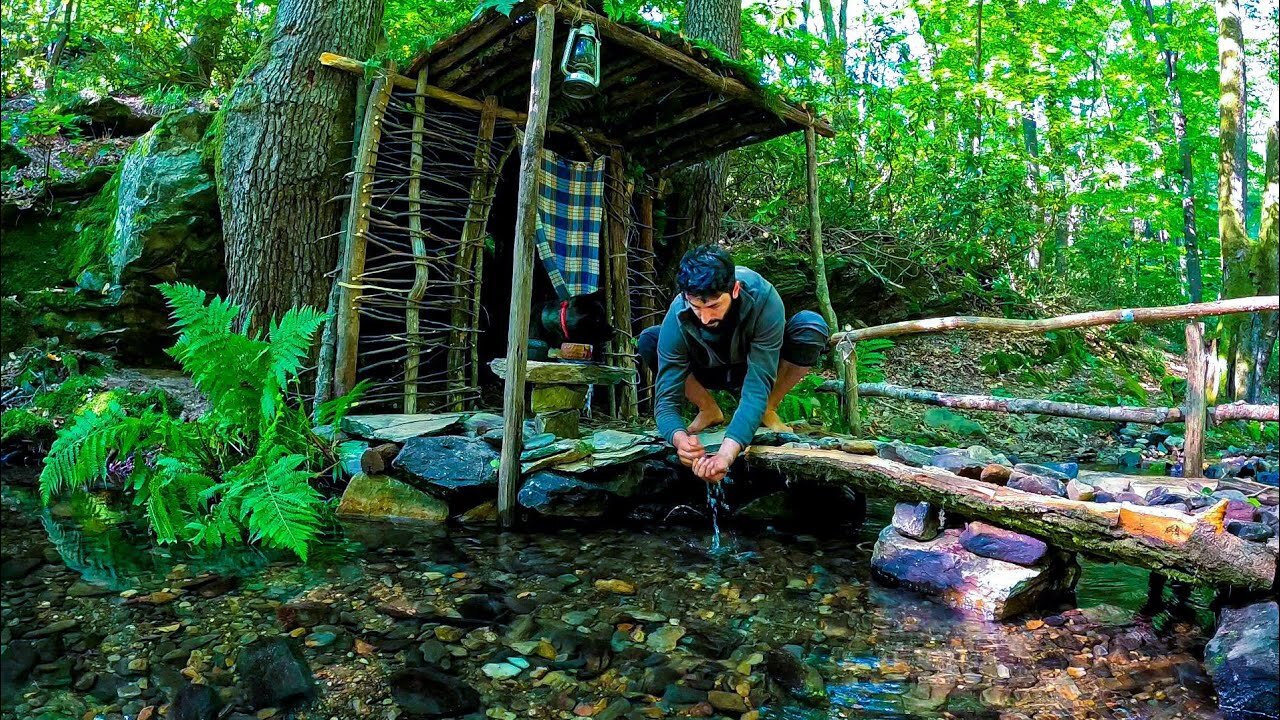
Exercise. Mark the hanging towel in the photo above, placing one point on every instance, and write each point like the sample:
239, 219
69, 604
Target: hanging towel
570, 215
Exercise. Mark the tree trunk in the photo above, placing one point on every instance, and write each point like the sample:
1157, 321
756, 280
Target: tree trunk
1267, 254
60, 44
1235, 346
696, 208
284, 147
202, 53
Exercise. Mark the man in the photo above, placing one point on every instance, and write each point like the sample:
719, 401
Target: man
725, 330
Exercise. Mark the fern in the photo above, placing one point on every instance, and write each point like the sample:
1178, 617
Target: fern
244, 469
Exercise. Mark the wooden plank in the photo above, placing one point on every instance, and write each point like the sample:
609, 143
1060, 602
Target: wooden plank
355, 243
565, 373
815, 232
341, 62
1077, 320
513, 403
1158, 538
466, 283
1197, 373
413, 330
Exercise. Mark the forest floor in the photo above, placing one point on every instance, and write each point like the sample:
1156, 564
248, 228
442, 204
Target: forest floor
1096, 370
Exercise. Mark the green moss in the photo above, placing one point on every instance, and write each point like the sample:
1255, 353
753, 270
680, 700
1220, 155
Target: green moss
22, 424
87, 248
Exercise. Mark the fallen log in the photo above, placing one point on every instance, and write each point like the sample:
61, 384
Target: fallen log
1077, 320
1159, 538
1023, 406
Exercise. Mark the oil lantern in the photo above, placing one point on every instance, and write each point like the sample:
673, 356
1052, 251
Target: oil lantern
581, 63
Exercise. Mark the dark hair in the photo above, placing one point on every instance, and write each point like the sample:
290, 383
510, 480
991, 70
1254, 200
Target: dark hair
706, 271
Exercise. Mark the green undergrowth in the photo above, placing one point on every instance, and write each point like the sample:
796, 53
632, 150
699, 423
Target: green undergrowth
241, 472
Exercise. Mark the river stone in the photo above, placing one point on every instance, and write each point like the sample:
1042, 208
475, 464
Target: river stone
1251, 531
913, 455
449, 462
803, 682
399, 428
918, 521
194, 702
16, 661
1268, 477
1041, 470
1038, 484
428, 693
1070, 469
273, 673
1244, 660
553, 494
993, 589
1000, 544
1077, 490
995, 473
773, 506
1238, 510
378, 497
959, 463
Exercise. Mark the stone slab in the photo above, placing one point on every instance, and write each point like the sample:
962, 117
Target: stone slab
400, 428
377, 497
942, 568
567, 373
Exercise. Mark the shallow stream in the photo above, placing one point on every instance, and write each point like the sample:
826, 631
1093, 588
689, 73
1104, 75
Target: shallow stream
587, 622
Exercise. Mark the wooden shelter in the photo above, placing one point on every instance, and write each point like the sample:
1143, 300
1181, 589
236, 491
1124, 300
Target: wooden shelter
438, 221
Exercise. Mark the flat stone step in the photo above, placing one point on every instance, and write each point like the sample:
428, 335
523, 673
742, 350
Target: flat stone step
566, 373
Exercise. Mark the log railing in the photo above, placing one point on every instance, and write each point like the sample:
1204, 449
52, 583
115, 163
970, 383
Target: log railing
1193, 412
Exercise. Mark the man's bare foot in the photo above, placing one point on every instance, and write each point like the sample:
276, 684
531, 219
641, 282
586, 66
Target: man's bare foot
771, 420
706, 419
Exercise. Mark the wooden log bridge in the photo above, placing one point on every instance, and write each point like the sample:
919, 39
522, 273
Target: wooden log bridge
1158, 538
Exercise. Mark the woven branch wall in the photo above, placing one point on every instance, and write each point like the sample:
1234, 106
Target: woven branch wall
434, 182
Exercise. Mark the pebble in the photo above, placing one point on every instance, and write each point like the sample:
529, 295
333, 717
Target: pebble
500, 671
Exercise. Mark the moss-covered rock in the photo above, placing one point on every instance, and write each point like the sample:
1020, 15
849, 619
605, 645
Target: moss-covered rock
103, 113
166, 225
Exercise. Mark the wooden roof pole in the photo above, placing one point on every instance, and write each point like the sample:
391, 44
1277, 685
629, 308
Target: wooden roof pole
522, 269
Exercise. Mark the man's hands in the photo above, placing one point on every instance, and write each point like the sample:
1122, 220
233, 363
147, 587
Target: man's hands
712, 467
688, 448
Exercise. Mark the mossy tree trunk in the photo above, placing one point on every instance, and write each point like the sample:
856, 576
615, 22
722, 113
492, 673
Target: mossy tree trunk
1234, 346
1267, 261
284, 147
696, 205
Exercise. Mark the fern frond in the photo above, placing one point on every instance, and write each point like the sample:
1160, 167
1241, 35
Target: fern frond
290, 342
79, 455
278, 506
331, 412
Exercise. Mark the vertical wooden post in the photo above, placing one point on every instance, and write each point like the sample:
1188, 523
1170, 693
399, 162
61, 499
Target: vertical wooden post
1194, 408
618, 206
522, 268
328, 339
478, 286
355, 243
815, 231
852, 413
470, 252
648, 309
416, 238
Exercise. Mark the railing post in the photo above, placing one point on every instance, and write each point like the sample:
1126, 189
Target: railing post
1193, 409
852, 413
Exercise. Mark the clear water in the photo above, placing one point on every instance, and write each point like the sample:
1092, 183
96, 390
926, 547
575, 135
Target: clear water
882, 652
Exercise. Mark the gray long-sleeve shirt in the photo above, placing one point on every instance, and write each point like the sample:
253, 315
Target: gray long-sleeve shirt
757, 341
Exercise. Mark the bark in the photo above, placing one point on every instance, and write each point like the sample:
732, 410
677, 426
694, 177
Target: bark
1163, 539
1021, 406
696, 207
1267, 264
1234, 347
60, 44
1078, 320
284, 148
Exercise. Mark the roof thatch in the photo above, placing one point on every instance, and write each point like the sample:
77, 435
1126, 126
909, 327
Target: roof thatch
665, 101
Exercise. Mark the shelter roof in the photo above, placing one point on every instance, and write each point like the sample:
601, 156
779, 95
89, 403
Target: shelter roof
666, 101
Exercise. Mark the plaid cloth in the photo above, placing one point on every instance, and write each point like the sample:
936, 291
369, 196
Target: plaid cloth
570, 215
